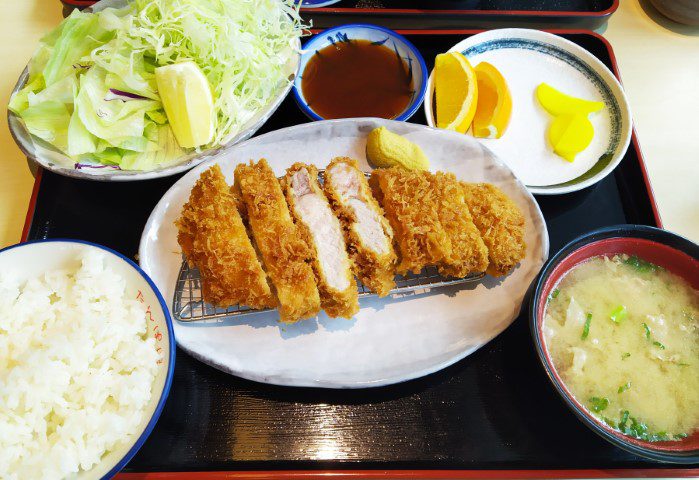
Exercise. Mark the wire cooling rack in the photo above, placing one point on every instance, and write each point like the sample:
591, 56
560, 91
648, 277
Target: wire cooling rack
189, 306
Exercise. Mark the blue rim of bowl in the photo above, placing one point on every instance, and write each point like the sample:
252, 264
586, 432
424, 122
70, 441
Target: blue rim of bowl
630, 231
419, 98
317, 3
171, 342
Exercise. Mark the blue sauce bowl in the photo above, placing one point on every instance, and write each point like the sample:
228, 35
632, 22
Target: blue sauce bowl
378, 35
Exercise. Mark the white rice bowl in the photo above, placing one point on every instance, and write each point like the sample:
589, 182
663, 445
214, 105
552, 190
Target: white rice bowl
78, 366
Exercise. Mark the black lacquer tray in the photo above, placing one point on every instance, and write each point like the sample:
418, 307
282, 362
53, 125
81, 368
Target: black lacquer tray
491, 414
464, 13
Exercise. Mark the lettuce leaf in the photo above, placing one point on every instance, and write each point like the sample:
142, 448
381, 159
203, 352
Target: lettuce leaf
242, 47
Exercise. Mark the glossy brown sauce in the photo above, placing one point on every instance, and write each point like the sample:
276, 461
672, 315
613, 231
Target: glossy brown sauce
357, 79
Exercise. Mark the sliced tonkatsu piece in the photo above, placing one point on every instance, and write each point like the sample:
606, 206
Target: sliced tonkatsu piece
500, 223
213, 238
468, 252
410, 203
285, 255
323, 233
369, 236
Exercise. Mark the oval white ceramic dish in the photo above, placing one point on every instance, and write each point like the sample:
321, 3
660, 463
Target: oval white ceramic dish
51, 159
33, 259
390, 340
527, 58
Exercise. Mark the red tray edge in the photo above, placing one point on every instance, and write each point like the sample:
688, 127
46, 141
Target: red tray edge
481, 13
414, 474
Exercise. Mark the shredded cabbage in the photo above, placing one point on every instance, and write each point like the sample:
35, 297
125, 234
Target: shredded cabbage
242, 46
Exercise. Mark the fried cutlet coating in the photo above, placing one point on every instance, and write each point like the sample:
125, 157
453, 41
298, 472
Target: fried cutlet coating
322, 232
285, 254
501, 224
410, 202
352, 201
468, 252
213, 238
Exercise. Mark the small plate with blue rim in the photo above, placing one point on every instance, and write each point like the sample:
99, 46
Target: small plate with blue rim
378, 36
527, 58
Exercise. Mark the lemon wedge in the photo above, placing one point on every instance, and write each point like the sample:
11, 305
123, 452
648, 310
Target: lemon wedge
570, 134
494, 102
188, 103
558, 103
456, 91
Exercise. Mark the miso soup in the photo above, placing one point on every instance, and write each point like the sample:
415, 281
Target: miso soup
623, 334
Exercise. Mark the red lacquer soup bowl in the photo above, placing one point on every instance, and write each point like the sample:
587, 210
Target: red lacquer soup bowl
668, 250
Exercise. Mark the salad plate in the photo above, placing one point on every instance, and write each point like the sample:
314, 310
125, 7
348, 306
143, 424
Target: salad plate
391, 339
51, 158
527, 58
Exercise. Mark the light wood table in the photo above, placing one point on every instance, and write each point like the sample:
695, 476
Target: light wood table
658, 59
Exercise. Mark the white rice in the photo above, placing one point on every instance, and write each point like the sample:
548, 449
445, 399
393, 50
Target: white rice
76, 369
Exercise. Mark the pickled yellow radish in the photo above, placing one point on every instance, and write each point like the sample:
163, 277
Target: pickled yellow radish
558, 103
570, 135
188, 103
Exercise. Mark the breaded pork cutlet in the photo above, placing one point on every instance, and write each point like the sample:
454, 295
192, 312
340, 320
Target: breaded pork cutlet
501, 224
323, 234
213, 238
368, 234
285, 255
468, 252
411, 202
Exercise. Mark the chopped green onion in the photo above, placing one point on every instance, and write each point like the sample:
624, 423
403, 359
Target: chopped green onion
641, 265
647, 329
618, 314
659, 345
586, 328
624, 387
639, 429
554, 293
682, 364
598, 404
658, 437
624, 419
625, 355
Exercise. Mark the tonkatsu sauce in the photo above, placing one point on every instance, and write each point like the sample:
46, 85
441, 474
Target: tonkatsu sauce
357, 78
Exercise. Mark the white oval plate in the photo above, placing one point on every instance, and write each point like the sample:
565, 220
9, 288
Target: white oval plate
390, 340
527, 58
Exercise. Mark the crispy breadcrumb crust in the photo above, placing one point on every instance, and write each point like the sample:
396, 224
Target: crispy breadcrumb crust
410, 202
213, 238
285, 255
336, 303
501, 224
468, 252
374, 270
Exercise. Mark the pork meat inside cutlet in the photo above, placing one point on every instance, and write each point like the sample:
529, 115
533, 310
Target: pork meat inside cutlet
500, 223
323, 233
468, 252
213, 239
368, 234
285, 254
411, 202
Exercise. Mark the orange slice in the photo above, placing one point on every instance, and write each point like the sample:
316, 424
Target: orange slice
455, 91
494, 103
